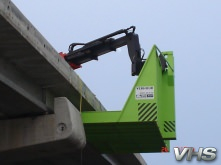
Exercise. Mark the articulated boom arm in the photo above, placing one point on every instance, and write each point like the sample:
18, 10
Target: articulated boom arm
91, 50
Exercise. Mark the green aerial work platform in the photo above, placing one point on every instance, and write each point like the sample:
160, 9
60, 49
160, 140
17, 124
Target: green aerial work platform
147, 121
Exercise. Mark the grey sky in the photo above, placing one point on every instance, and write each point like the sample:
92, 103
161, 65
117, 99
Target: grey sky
191, 29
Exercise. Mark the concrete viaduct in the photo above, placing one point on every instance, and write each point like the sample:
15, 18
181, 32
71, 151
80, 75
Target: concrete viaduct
40, 121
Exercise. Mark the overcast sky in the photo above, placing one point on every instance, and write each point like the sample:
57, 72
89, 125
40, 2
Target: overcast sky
191, 29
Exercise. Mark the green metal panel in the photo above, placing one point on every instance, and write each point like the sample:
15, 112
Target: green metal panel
131, 137
147, 121
166, 117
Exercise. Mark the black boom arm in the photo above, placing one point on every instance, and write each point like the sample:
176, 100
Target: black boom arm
91, 50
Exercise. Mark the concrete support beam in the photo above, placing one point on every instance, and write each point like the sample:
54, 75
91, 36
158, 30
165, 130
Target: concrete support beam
42, 136
28, 52
26, 96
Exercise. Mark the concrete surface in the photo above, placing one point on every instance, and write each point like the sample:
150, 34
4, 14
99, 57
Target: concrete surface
32, 74
42, 136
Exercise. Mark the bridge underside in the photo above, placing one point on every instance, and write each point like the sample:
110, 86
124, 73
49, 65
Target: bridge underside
32, 74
